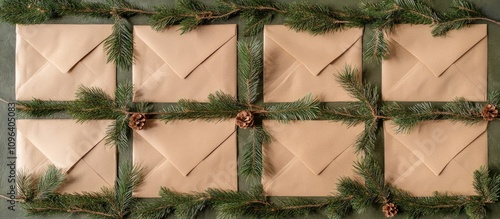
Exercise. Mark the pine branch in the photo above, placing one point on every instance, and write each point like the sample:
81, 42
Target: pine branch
252, 155
486, 186
189, 14
463, 111
464, 13
28, 11
306, 108
350, 115
339, 207
49, 182
416, 12
366, 140
368, 94
220, 106
249, 70
93, 103
375, 183
407, 118
38, 108
315, 19
129, 178
255, 13
119, 46
378, 47
353, 196
170, 202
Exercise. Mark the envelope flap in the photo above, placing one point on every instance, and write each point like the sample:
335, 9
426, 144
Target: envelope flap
64, 45
63, 142
314, 52
184, 53
187, 143
314, 143
437, 53
437, 143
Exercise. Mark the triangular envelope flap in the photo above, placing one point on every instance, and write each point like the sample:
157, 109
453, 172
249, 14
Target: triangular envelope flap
64, 45
314, 52
315, 143
436, 143
185, 52
63, 142
186, 143
437, 53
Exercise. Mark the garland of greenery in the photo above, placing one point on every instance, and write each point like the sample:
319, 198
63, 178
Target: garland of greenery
299, 16
39, 197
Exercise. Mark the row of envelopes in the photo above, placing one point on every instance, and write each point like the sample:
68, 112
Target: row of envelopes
303, 159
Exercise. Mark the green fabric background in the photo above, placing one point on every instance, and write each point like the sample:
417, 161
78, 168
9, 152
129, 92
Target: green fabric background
371, 72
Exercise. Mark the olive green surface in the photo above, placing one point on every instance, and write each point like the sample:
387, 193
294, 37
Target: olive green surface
371, 72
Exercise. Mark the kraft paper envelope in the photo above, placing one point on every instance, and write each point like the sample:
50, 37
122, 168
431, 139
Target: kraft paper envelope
307, 158
53, 60
186, 156
436, 156
169, 66
298, 63
78, 149
426, 68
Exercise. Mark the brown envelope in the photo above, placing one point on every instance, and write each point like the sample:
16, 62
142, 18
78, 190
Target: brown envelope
186, 156
53, 60
78, 149
307, 158
169, 66
297, 63
426, 68
436, 156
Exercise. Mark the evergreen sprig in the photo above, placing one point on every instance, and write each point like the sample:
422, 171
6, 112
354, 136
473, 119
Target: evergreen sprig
249, 70
306, 108
317, 19
40, 196
119, 46
408, 117
39, 108
487, 188
252, 153
220, 106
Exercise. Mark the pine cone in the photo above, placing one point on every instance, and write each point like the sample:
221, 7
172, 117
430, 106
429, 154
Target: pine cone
137, 121
489, 112
390, 209
244, 119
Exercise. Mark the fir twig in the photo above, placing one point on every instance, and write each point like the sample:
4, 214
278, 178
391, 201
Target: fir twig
249, 70
117, 133
41, 197
316, 19
38, 108
119, 46
406, 118
350, 80
306, 108
378, 48
220, 106
463, 14
252, 155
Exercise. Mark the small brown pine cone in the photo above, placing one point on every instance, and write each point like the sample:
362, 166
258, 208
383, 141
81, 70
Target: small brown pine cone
390, 209
244, 119
489, 112
137, 121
